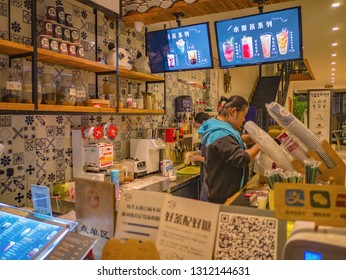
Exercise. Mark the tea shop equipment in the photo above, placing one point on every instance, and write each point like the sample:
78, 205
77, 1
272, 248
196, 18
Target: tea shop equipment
91, 157
147, 150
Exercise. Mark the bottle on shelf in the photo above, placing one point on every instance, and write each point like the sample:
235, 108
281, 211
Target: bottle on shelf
66, 92
81, 92
139, 97
129, 97
100, 57
11, 85
149, 101
48, 85
27, 89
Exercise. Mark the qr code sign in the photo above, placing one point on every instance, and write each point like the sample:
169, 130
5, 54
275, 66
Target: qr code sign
245, 237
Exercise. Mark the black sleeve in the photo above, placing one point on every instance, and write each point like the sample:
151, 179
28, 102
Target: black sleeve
231, 152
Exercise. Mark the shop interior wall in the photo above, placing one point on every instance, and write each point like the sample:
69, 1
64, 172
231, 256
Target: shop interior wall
38, 147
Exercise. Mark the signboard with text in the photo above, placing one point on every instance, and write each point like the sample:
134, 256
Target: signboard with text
323, 204
319, 112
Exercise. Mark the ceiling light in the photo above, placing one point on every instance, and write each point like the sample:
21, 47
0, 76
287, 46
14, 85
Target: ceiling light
334, 54
333, 81
334, 5
334, 44
333, 78
333, 63
335, 28
333, 69
333, 74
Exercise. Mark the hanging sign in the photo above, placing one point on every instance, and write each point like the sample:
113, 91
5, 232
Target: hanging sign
320, 112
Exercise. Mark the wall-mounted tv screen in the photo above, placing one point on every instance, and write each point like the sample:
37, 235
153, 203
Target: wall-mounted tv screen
261, 38
180, 48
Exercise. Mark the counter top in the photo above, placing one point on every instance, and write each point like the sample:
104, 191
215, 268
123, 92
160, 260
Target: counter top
158, 183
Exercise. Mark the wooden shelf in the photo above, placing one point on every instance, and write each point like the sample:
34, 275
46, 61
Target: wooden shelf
72, 61
133, 75
7, 106
141, 111
12, 48
74, 109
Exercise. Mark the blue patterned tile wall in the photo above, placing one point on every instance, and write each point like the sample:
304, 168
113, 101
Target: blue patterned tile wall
38, 147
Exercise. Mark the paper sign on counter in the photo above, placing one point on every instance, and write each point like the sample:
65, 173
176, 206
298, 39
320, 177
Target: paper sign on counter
139, 215
187, 229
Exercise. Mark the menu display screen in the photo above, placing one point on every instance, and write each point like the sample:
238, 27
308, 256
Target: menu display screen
22, 238
261, 38
181, 48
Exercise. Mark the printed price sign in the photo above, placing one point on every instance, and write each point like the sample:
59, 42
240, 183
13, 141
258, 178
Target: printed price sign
323, 204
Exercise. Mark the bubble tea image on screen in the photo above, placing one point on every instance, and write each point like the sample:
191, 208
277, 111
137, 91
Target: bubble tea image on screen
228, 49
282, 39
266, 42
181, 46
192, 56
170, 60
247, 47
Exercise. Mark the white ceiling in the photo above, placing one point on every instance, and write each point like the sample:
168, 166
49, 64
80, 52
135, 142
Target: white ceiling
318, 18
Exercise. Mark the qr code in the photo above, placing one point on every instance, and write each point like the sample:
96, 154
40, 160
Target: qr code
245, 237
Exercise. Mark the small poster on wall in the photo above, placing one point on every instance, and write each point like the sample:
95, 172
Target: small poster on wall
319, 112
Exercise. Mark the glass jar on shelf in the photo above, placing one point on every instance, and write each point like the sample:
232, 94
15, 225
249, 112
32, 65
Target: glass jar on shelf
66, 92
48, 88
81, 92
27, 88
10, 85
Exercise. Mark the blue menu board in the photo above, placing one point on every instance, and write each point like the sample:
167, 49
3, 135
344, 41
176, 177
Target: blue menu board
261, 38
181, 48
23, 238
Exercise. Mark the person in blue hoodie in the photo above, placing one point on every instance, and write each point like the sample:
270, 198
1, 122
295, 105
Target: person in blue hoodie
227, 159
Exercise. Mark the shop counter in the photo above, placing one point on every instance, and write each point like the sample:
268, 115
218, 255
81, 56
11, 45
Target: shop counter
184, 185
239, 198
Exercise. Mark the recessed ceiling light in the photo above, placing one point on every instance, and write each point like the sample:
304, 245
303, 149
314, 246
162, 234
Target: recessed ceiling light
335, 28
333, 69
333, 74
333, 63
333, 78
334, 44
333, 81
334, 54
334, 5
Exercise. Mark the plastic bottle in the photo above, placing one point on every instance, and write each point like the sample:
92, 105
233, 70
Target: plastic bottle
129, 96
139, 98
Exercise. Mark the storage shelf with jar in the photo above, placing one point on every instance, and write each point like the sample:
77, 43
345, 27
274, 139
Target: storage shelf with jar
13, 49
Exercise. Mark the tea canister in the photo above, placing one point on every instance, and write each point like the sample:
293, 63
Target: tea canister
80, 51
71, 49
68, 20
47, 28
66, 34
43, 42
57, 31
81, 92
63, 47
54, 44
60, 18
51, 13
74, 35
